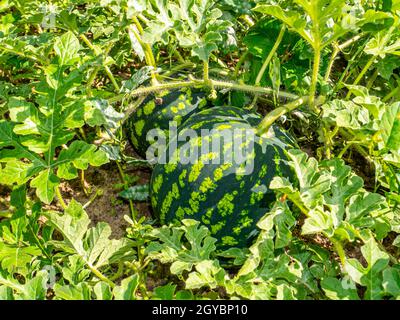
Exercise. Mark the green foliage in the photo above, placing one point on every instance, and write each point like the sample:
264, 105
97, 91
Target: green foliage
195, 24
136, 193
72, 73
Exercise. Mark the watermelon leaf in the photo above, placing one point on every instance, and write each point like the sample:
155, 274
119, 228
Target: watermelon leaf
136, 193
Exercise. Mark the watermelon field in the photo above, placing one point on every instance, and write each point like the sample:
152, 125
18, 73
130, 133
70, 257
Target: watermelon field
200, 150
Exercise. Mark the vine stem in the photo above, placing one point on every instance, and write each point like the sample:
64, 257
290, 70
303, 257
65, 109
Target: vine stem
131, 206
83, 182
362, 73
339, 250
392, 93
275, 114
154, 88
239, 63
372, 79
348, 136
97, 193
21, 54
267, 61
336, 244
106, 68
192, 82
206, 77
346, 74
99, 275
345, 148
299, 205
270, 55
314, 78
119, 272
336, 50
151, 61
251, 89
112, 78
179, 56
383, 43
132, 109
60, 197
328, 135
5, 214
179, 67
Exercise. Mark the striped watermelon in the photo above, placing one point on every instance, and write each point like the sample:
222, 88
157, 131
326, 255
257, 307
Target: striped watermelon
157, 111
219, 194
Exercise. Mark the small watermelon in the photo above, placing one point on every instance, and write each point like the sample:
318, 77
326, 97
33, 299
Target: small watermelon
157, 111
223, 195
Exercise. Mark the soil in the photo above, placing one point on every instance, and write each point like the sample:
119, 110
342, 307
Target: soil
4, 197
107, 207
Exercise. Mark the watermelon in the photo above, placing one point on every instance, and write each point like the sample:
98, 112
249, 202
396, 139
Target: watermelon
157, 111
225, 195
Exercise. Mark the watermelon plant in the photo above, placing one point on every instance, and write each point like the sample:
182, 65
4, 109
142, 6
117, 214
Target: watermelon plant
281, 179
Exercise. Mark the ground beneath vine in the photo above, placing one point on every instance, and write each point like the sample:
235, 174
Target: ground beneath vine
108, 207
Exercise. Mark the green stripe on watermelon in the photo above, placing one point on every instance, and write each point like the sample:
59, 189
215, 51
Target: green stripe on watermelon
157, 111
218, 195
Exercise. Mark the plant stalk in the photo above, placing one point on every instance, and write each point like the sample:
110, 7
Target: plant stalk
336, 50
314, 78
206, 77
60, 197
275, 114
362, 73
270, 55
106, 68
339, 250
150, 60
239, 64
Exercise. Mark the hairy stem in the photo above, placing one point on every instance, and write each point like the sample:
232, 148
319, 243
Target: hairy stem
339, 250
346, 147
314, 77
266, 63
106, 68
362, 73
119, 272
331, 61
111, 76
179, 67
336, 50
275, 114
206, 77
21, 54
270, 55
299, 205
328, 137
372, 79
348, 136
150, 60
131, 206
99, 275
197, 82
5, 214
83, 182
97, 193
60, 198
239, 64
391, 94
